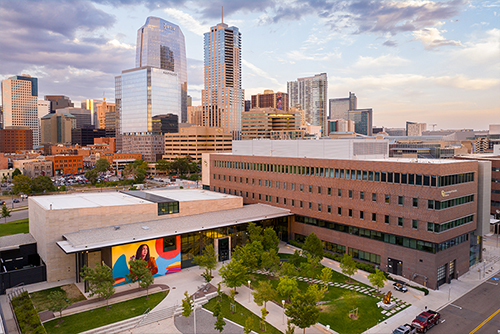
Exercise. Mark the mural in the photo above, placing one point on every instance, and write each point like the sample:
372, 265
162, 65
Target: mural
162, 255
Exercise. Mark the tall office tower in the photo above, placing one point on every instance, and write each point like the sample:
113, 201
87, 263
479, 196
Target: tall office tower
222, 99
58, 102
310, 94
103, 108
43, 109
339, 107
20, 103
168, 123
160, 44
363, 120
415, 129
270, 99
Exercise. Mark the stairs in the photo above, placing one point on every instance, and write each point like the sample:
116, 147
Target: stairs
157, 315
117, 327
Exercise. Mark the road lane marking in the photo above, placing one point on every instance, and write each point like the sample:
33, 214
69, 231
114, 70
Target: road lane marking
485, 321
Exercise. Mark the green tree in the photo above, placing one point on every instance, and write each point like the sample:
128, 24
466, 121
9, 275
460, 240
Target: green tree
163, 165
348, 265
247, 329
5, 212
314, 246
290, 329
137, 169
270, 240
270, 261
180, 165
326, 277
16, 172
234, 274
250, 255
288, 269
100, 280
254, 232
311, 267
58, 301
139, 272
219, 323
264, 293
263, 318
22, 184
287, 286
316, 291
303, 311
187, 305
102, 165
377, 279
42, 184
207, 259
92, 175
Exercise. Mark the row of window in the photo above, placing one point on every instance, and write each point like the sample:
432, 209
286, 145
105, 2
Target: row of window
384, 237
387, 177
440, 205
434, 227
168, 208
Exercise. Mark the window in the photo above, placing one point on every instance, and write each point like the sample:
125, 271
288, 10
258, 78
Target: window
310, 205
260, 182
400, 221
319, 190
278, 200
301, 187
329, 209
386, 219
293, 186
361, 195
374, 217
414, 224
339, 211
361, 215
350, 212
277, 184
430, 227
430, 204
319, 207
400, 200
350, 193
168, 208
415, 202
284, 201
310, 189
387, 199
329, 191
340, 192
169, 243
301, 204
284, 185
374, 197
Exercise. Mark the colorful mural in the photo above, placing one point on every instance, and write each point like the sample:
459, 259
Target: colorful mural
162, 255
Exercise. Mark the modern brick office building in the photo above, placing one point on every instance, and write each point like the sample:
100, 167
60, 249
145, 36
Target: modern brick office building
421, 219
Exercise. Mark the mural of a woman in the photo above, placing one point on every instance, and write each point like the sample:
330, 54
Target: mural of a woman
143, 254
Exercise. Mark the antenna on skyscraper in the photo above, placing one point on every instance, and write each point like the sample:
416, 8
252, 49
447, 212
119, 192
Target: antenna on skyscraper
222, 14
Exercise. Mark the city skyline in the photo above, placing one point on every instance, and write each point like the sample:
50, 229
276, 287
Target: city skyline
422, 61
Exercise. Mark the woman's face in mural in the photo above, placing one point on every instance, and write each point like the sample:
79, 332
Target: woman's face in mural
144, 251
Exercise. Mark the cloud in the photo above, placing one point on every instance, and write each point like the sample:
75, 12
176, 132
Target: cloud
296, 55
195, 70
431, 38
382, 61
483, 51
390, 43
259, 72
187, 21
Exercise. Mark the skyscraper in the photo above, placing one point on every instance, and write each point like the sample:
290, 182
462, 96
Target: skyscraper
20, 104
340, 106
222, 98
160, 44
310, 94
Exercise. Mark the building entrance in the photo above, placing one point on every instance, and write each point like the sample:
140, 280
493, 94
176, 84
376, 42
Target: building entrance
395, 266
223, 249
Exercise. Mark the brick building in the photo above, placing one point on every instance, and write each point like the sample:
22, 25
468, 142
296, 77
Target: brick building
16, 138
414, 219
66, 164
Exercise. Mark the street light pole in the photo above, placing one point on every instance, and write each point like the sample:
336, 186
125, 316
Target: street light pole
249, 291
194, 311
283, 302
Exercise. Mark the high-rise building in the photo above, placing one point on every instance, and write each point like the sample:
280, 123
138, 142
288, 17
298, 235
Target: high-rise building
222, 98
415, 129
160, 44
270, 123
310, 94
363, 120
16, 138
58, 102
103, 108
168, 123
270, 99
56, 128
340, 106
20, 104
195, 115
83, 116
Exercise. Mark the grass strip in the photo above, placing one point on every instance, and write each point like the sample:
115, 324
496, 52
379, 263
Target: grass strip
240, 315
41, 298
14, 227
84, 321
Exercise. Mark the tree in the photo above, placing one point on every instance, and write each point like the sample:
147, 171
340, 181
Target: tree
219, 323
16, 172
377, 279
270, 261
139, 272
326, 277
263, 318
100, 280
137, 169
187, 305
92, 175
287, 286
22, 184
254, 232
314, 246
234, 274
290, 329
163, 165
207, 259
348, 265
180, 165
250, 255
303, 311
311, 267
5, 212
58, 301
42, 184
316, 291
248, 325
270, 240
288, 269
102, 165
264, 293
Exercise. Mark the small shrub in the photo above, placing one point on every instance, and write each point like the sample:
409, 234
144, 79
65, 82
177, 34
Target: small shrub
26, 315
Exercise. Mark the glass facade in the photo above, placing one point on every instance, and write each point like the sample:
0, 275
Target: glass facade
147, 92
161, 44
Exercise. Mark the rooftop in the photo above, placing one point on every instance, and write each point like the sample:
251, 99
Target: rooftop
9, 242
97, 238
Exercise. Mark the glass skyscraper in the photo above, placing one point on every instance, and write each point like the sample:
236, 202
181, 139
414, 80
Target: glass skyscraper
223, 100
310, 94
160, 44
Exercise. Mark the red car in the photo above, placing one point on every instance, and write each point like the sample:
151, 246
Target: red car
426, 320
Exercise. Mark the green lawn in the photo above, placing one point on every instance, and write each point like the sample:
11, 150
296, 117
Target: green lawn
14, 227
41, 301
87, 320
240, 316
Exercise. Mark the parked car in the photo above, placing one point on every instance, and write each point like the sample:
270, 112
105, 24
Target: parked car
15, 200
426, 320
400, 286
405, 329
2, 203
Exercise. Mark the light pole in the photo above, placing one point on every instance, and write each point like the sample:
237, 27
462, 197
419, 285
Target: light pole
283, 302
249, 291
194, 311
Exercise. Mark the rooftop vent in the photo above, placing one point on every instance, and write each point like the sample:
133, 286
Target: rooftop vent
117, 227
145, 227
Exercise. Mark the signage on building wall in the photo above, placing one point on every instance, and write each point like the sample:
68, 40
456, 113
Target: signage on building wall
167, 27
447, 193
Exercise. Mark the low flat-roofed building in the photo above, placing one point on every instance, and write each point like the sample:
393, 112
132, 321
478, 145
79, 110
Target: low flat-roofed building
38, 167
77, 229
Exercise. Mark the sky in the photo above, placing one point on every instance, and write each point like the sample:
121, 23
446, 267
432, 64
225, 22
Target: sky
436, 62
